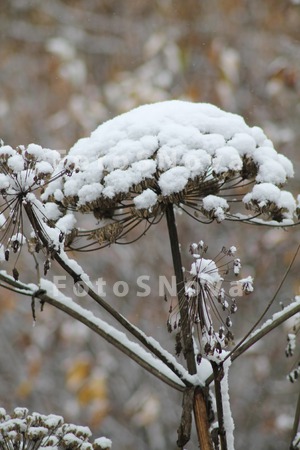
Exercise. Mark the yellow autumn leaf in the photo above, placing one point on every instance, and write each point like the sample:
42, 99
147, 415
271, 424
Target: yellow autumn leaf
95, 388
77, 373
24, 389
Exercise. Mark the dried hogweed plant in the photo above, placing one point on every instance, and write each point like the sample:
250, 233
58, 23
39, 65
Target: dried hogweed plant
196, 157
33, 431
133, 171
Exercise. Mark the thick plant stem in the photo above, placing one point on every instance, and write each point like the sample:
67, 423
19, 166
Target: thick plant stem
218, 375
201, 419
200, 395
188, 348
296, 422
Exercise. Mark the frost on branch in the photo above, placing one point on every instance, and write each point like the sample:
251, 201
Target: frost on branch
33, 431
207, 162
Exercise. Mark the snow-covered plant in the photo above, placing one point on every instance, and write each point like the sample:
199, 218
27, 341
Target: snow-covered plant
210, 304
205, 161
23, 173
136, 169
34, 431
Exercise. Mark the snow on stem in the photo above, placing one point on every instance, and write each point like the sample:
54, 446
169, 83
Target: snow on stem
78, 275
227, 416
270, 324
110, 334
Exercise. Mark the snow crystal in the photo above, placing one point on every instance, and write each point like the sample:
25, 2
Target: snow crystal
7, 150
174, 180
18, 237
286, 200
89, 193
103, 442
271, 172
53, 420
216, 204
258, 134
118, 181
66, 223
20, 412
263, 193
36, 151
286, 164
71, 440
211, 142
4, 181
243, 143
169, 156
144, 168
43, 167
228, 420
37, 432
52, 211
196, 161
206, 271
16, 163
232, 250
146, 199
227, 158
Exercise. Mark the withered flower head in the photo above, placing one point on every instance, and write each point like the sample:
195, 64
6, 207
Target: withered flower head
203, 160
24, 172
212, 292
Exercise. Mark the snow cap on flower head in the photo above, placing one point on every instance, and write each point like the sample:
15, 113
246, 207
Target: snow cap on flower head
205, 161
193, 155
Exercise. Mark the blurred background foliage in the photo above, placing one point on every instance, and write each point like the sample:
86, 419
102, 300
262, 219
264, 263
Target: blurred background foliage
67, 66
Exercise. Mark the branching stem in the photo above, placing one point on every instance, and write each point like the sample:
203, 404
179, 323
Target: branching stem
200, 395
99, 300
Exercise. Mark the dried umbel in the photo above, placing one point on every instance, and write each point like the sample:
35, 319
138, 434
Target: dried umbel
24, 173
197, 157
34, 431
212, 299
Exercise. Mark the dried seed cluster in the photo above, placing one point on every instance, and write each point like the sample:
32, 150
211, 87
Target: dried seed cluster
208, 301
32, 431
24, 173
205, 161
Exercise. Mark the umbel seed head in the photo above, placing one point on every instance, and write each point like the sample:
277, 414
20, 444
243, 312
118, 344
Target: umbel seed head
207, 162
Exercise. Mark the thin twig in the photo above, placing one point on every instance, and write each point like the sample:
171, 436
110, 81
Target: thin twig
236, 349
285, 314
265, 329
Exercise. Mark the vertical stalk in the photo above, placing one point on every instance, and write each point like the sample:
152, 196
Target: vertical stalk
188, 348
200, 395
201, 419
296, 422
218, 375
